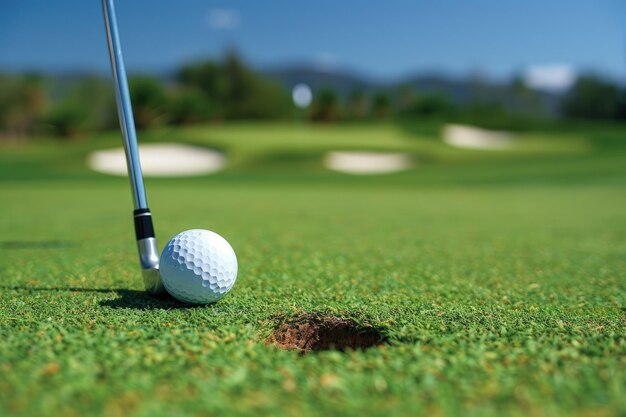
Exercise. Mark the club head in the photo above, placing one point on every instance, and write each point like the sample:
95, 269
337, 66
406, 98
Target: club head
149, 258
152, 282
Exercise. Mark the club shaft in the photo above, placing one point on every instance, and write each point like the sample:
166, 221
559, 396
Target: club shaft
144, 231
124, 107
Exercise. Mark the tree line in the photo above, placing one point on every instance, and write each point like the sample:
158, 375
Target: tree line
228, 90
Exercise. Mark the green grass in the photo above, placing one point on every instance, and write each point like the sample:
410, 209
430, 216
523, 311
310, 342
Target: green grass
497, 277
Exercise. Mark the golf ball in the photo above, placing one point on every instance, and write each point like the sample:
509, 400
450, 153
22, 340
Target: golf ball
198, 266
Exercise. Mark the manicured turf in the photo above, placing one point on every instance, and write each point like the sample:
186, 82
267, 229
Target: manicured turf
498, 280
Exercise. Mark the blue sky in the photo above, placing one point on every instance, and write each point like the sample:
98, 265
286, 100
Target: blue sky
383, 39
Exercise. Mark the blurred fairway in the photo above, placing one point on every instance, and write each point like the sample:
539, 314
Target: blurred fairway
498, 278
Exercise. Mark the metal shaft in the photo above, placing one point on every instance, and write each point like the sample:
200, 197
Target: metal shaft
124, 108
144, 231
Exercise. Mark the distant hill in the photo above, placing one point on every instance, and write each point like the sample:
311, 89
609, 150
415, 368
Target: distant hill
458, 89
343, 82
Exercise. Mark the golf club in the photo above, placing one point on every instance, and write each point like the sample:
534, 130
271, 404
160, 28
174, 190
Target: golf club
197, 266
144, 230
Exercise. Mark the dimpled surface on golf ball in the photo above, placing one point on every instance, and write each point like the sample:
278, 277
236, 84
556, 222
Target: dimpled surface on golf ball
198, 266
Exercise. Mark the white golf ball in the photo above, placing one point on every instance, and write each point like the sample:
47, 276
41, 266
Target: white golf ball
198, 266
302, 95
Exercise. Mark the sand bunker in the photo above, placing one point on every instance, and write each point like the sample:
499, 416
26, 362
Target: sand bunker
463, 136
160, 160
364, 163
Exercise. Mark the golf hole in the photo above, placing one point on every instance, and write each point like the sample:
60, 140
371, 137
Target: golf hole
315, 332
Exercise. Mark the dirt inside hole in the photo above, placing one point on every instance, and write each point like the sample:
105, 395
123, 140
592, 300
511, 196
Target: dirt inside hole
315, 332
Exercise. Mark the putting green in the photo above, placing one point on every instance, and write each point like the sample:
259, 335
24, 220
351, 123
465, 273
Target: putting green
498, 282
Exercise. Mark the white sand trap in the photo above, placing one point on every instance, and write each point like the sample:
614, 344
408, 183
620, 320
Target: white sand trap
365, 163
463, 136
160, 160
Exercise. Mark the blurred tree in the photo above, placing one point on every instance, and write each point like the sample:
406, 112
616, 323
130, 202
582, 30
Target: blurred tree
69, 118
526, 100
325, 107
237, 86
22, 104
192, 106
149, 101
240, 92
478, 88
405, 97
494, 116
519, 86
203, 76
431, 105
87, 104
381, 105
267, 101
358, 106
97, 96
594, 98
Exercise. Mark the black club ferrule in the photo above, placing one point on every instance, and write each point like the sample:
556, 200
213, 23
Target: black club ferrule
143, 224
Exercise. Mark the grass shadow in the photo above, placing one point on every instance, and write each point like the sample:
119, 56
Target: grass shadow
134, 299
141, 300
35, 244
